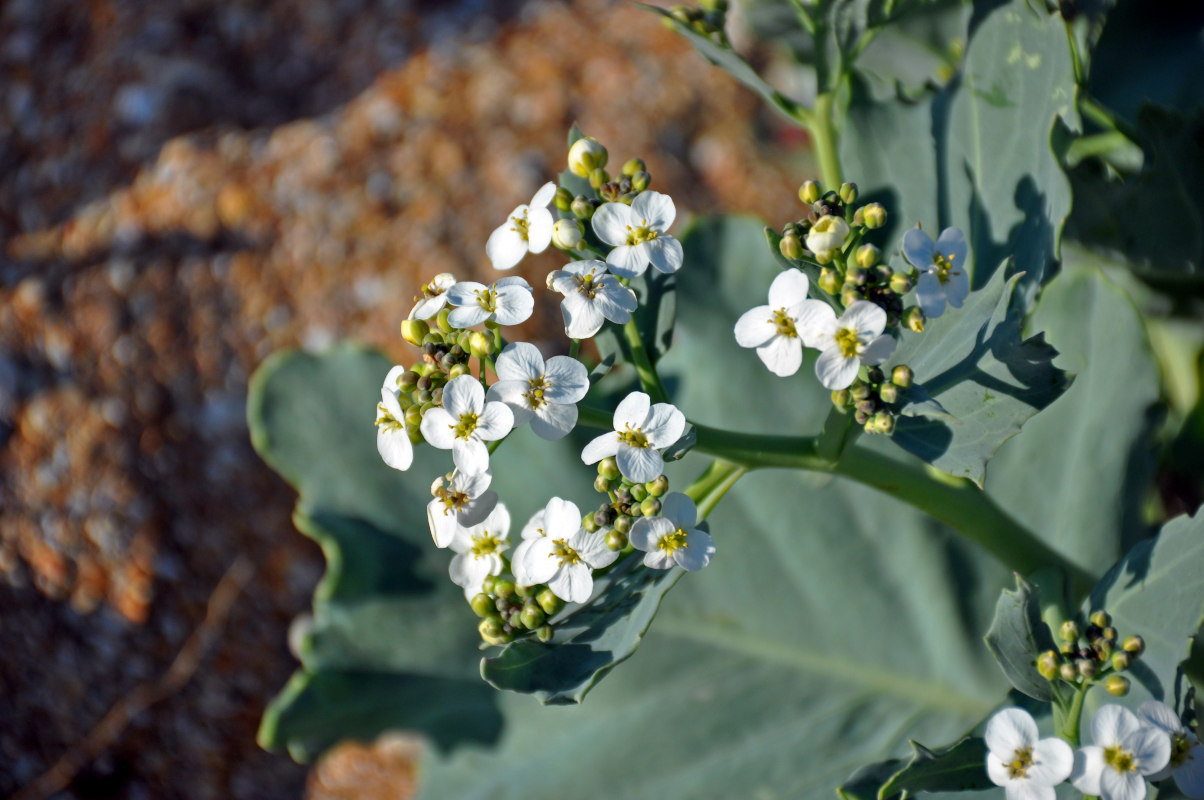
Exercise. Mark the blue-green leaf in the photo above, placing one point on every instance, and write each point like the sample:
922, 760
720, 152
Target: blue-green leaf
1017, 636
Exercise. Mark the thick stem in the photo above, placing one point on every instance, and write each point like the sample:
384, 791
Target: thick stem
649, 378
1074, 715
824, 131
713, 484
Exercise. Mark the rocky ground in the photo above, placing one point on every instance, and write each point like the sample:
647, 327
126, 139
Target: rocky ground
186, 187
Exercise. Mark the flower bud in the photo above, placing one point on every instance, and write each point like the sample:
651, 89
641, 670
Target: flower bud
1068, 672
1068, 648
641, 181
503, 588
480, 344
414, 331
849, 294
1069, 631
609, 469
549, 602
1109, 634
889, 393
1117, 685
874, 215
563, 199
601, 485
867, 256
883, 422
638, 493
615, 540
456, 371
829, 281
901, 376
1087, 668
623, 523
413, 416
482, 605
791, 247
1101, 618
1134, 646
840, 399
532, 615
632, 166
913, 319
900, 283
859, 217
544, 633
582, 207
826, 236
1047, 665
854, 275
1103, 649
442, 322
650, 507
848, 193
599, 177
1121, 661
859, 390
567, 234
408, 381
809, 192
585, 156
589, 523
611, 193
658, 487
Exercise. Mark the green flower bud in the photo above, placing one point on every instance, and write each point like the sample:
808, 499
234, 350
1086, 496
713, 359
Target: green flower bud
1103, 649
900, 283
849, 294
913, 319
563, 199
859, 391
810, 192
1068, 672
413, 416
589, 523
658, 487
599, 178
641, 181
714, 6
874, 215
623, 524
650, 507
867, 256
491, 630
874, 375
488, 583
859, 217
457, 371
532, 615
414, 331
1117, 685
883, 422
1101, 618
889, 393
1068, 648
408, 381
840, 399
601, 485
1109, 634
611, 192
503, 588
616, 540
854, 275
585, 156
829, 280
609, 469
441, 320
1134, 646
567, 234
901, 376
1121, 661
848, 193
1069, 631
1087, 668
632, 166
549, 602
638, 493
582, 207
482, 605
480, 344
544, 633
1047, 665
791, 247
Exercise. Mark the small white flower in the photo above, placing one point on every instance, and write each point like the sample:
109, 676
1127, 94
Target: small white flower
392, 441
942, 266
544, 394
460, 502
1025, 766
465, 423
479, 551
640, 432
585, 156
776, 329
847, 343
591, 296
672, 538
638, 233
1124, 753
827, 235
434, 296
528, 230
564, 557
1187, 754
507, 301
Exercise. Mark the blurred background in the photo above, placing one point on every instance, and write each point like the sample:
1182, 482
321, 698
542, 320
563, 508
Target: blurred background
186, 187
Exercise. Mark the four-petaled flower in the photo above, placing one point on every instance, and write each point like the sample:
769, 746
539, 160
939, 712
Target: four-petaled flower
507, 301
638, 233
1025, 766
672, 538
1124, 754
392, 441
776, 330
434, 296
1187, 754
640, 431
942, 266
591, 296
847, 343
527, 230
564, 556
461, 501
544, 394
465, 423
479, 551
827, 235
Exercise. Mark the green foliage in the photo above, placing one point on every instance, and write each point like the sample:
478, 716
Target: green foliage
1017, 636
957, 768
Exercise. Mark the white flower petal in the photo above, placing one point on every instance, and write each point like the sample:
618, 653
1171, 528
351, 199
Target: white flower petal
395, 447
632, 411
562, 518
788, 288
1115, 785
519, 361
664, 425
470, 572
512, 395
639, 464
679, 509
464, 293
957, 288
536, 563
698, 552
930, 295
428, 307
543, 195
647, 532
835, 371
1189, 776
755, 327
1053, 760
592, 548
539, 229
627, 261
389, 400
518, 564
463, 395
505, 246
658, 559
554, 421
536, 526
654, 208
582, 319
952, 244
815, 323
783, 355
1010, 730
867, 318
610, 222
495, 421
567, 380
467, 317
1151, 749
470, 455
437, 427
443, 523
664, 253
1088, 766
478, 509
878, 350
918, 248
514, 305
1112, 723
1159, 715
603, 446
573, 583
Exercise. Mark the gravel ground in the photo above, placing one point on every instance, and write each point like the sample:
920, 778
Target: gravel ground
186, 187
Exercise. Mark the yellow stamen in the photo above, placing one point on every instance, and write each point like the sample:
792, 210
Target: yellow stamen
1119, 759
633, 437
784, 324
1022, 759
566, 554
535, 391
847, 342
673, 541
467, 424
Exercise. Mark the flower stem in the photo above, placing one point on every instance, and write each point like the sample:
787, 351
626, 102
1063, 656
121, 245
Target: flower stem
574, 347
649, 379
713, 484
1069, 727
823, 129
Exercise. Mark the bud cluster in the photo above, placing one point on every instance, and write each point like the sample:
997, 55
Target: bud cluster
508, 610
1091, 655
628, 502
588, 159
872, 398
708, 19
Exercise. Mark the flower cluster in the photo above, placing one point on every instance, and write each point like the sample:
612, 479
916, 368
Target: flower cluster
1094, 654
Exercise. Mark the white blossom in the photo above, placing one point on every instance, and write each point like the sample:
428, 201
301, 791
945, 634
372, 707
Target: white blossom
434, 296
942, 266
591, 296
567, 234
1186, 762
639, 235
847, 343
507, 301
827, 235
671, 539
479, 551
1124, 753
775, 330
564, 556
461, 501
1027, 767
641, 430
465, 423
392, 441
542, 393
528, 230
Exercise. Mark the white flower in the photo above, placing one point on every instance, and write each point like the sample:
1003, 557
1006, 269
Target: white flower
392, 441
827, 235
465, 423
585, 156
460, 502
638, 233
1125, 751
528, 230
564, 557
942, 266
1187, 754
507, 301
776, 329
544, 394
591, 296
640, 431
1026, 767
479, 551
567, 234
434, 296
672, 538
847, 343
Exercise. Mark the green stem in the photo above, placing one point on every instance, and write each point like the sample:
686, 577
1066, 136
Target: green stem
574, 347
1103, 117
713, 484
823, 130
1074, 715
649, 378
804, 16
1075, 60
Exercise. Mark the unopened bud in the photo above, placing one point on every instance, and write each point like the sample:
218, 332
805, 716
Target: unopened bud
810, 192
549, 602
482, 605
588, 522
563, 199
638, 492
1069, 631
544, 633
532, 615
859, 217
913, 319
873, 215
826, 237
609, 469
859, 391
599, 178
601, 485
585, 156
900, 283
567, 234
1101, 618
1121, 661
456, 371
840, 399
623, 524
641, 181
408, 381
1103, 649
883, 422
491, 631
441, 319
867, 256
632, 166
901, 376
413, 416
1087, 668
582, 208
848, 193
503, 588
849, 294
829, 280
854, 275
1047, 665
1068, 672
480, 344
650, 507
414, 331
1134, 645
616, 540
791, 247
1117, 685
657, 487
889, 393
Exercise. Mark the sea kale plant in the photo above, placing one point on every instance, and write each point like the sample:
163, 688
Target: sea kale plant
838, 439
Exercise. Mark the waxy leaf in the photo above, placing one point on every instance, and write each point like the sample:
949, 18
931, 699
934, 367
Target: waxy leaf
957, 768
1017, 636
